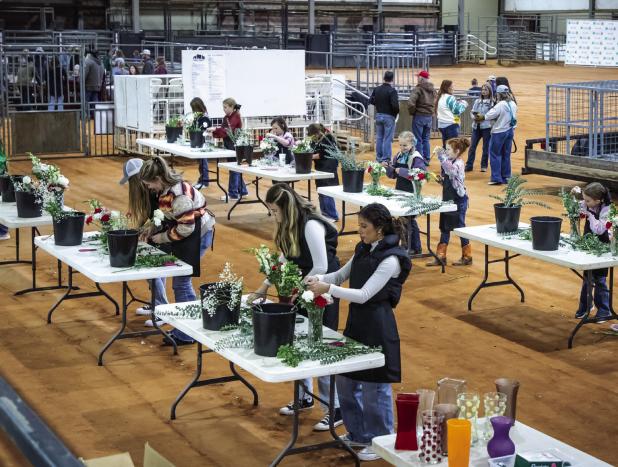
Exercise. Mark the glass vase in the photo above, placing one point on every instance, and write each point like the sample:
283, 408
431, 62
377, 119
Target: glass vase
613, 243
468, 403
314, 330
431, 440
575, 233
418, 186
449, 388
425, 402
494, 404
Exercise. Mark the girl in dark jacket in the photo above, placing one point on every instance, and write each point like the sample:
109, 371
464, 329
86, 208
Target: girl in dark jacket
324, 141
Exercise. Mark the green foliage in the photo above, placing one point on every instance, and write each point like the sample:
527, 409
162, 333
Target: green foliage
304, 146
418, 207
347, 160
292, 355
3, 160
239, 136
589, 243
378, 190
570, 203
515, 194
175, 121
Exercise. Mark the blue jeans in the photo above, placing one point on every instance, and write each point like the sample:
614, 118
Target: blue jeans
421, 128
92, 96
236, 186
477, 135
183, 288
500, 156
462, 207
385, 131
600, 294
323, 386
55, 99
3, 229
448, 132
414, 235
203, 172
366, 408
328, 207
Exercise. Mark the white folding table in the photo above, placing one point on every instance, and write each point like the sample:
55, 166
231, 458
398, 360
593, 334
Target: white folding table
394, 205
89, 261
270, 370
564, 256
187, 152
285, 174
8, 218
526, 439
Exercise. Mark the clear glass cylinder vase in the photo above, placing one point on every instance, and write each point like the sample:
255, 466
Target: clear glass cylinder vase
418, 186
314, 330
575, 233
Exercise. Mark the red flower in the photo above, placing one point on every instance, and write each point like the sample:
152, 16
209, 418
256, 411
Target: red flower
274, 268
337, 344
105, 218
320, 301
294, 291
421, 176
582, 215
369, 169
608, 225
97, 210
88, 220
260, 138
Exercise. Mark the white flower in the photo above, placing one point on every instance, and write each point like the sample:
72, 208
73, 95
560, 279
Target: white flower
328, 297
115, 214
97, 216
308, 296
158, 214
157, 222
27, 180
577, 189
63, 181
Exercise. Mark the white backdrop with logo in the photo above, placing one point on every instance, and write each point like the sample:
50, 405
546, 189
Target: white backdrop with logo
264, 82
592, 42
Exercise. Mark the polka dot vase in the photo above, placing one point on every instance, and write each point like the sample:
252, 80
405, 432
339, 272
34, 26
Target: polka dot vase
468, 403
494, 404
431, 439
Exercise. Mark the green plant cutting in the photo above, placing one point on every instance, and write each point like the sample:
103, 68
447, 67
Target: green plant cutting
175, 122
240, 136
347, 160
515, 194
304, 146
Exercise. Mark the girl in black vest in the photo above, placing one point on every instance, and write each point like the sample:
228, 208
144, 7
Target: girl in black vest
376, 272
324, 142
595, 209
204, 122
307, 239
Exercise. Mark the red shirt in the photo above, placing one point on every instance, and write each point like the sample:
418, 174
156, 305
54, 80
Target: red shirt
231, 121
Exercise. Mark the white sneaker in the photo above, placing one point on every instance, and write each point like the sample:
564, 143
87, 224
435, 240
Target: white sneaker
143, 310
322, 425
6, 236
149, 324
367, 454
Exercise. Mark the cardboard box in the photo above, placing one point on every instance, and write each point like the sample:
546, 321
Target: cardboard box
151, 459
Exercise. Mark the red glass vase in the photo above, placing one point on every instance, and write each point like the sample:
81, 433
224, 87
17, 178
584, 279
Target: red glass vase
407, 407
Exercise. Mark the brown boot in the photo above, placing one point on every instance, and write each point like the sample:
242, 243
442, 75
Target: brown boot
440, 253
466, 256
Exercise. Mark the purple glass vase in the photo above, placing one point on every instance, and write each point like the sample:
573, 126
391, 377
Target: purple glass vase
501, 445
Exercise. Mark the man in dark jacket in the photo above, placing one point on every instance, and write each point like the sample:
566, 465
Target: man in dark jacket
386, 102
421, 105
94, 74
147, 64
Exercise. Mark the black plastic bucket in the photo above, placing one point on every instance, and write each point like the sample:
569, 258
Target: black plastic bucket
545, 232
273, 326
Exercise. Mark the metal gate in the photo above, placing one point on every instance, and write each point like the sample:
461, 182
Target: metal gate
404, 62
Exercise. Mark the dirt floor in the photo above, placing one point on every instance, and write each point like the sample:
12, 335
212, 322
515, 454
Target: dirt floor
98, 411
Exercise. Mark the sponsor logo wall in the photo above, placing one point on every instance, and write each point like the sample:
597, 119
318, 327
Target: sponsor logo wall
592, 42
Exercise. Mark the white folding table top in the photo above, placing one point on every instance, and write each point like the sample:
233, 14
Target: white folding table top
185, 151
526, 439
278, 174
8, 217
269, 369
395, 206
564, 256
95, 265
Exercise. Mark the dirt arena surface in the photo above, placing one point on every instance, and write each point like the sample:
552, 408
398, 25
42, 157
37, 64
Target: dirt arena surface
98, 411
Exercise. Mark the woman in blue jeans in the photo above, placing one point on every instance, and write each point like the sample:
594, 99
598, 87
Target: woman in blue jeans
376, 272
186, 232
448, 110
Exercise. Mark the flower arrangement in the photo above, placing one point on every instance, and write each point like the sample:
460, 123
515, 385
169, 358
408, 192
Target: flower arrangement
515, 194
612, 227
268, 146
105, 219
347, 160
305, 145
191, 121
226, 291
175, 122
314, 305
419, 177
49, 174
28, 185
376, 171
240, 136
573, 209
53, 205
285, 276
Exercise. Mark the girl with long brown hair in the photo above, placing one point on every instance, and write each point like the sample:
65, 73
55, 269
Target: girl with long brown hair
324, 142
448, 110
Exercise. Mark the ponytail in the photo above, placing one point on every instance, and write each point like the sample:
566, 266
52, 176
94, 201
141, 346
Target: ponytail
598, 192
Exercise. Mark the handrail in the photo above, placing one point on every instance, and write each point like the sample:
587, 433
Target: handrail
349, 86
485, 44
472, 40
354, 109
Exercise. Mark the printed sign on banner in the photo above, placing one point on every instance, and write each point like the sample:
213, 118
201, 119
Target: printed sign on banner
592, 42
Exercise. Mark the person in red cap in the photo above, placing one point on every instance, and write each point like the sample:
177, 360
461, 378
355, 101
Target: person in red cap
421, 107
